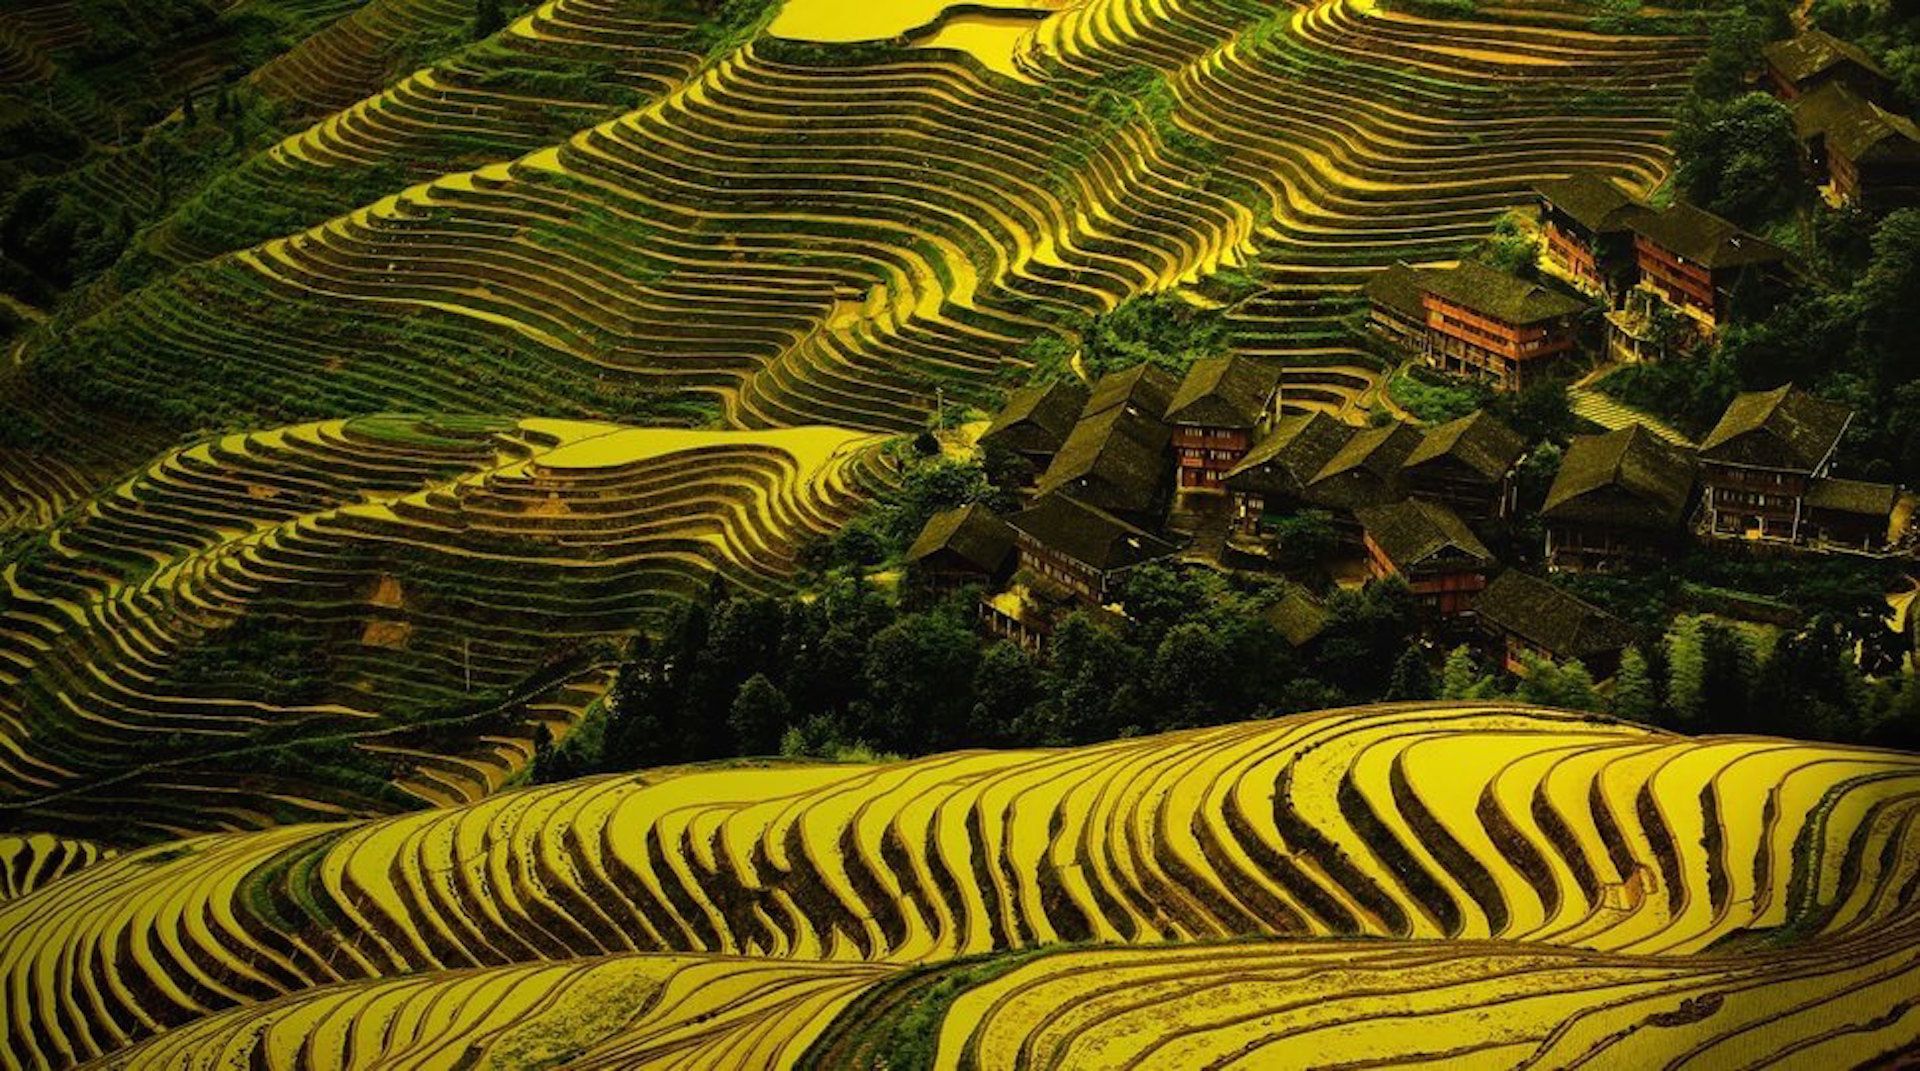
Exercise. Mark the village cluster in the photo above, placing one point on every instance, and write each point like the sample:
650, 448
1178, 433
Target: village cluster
1144, 465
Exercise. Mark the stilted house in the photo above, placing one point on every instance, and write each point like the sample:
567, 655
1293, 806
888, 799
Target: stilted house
1366, 470
1852, 513
1115, 458
1429, 546
1526, 615
1487, 324
1860, 152
1760, 460
1272, 479
1035, 423
957, 547
1701, 265
1468, 464
1584, 219
1396, 306
1079, 548
1809, 61
1222, 407
1618, 496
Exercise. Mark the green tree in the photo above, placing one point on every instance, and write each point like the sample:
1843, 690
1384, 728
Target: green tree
1739, 158
489, 18
919, 675
1635, 695
1461, 678
1565, 685
1687, 669
1005, 688
759, 715
1187, 679
1366, 630
1411, 678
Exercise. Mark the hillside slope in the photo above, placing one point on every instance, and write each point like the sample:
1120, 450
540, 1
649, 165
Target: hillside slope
1537, 829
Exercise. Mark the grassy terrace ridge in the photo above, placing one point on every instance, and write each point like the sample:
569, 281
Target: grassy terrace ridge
1575, 842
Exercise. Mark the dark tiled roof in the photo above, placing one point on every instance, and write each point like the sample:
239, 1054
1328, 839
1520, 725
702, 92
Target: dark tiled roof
1478, 440
1283, 462
1781, 428
1704, 238
1855, 127
1037, 419
1592, 200
1544, 615
1299, 616
1495, 294
1853, 496
1143, 388
1088, 535
1366, 470
972, 533
1416, 532
1801, 57
1223, 392
1630, 478
1399, 288
1115, 459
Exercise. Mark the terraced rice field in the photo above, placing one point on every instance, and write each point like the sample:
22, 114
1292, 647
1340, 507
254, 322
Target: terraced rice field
392, 573
855, 225
453, 330
1585, 852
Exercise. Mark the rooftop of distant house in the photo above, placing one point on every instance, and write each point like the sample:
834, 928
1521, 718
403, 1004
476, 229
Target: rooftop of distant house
1704, 238
1399, 288
1591, 200
1416, 533
1223, 392
1805, 55
1855, 127
1499, 295
1087, 534
1784, 428
971, 533
1478, 441
1037, 418
1550, 618
1628, 477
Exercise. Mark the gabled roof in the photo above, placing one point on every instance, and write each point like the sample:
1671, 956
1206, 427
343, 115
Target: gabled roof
1299, 616
1853, 496
1704, 238
1855, 127
1550, 618
972, 533
1283, 462
1783, 428
1366, 470
1417, 533
1087, 534
1801, 57
1478, 441
1495, 294
1223, 392
1114, 459
1628, 477
1037, 419
1591, 200
1399, 288
1143, 388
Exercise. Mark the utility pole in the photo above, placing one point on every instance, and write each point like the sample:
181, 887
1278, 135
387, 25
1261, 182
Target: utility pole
940, 408
466, 659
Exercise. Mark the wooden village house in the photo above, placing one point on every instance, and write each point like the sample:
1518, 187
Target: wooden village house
1618, 496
